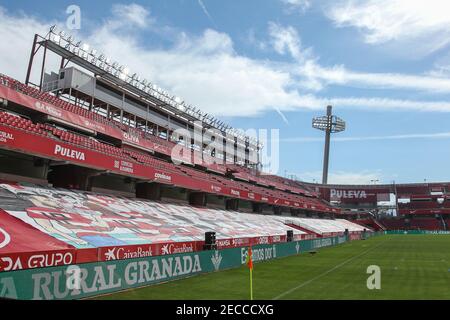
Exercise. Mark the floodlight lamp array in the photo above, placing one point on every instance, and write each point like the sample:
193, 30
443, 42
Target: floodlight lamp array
332, 123
122, 72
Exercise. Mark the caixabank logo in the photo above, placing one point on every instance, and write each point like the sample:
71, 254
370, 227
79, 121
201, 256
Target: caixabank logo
119, 253
173, 248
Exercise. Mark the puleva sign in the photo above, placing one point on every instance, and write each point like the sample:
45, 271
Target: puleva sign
347, 194
105, 277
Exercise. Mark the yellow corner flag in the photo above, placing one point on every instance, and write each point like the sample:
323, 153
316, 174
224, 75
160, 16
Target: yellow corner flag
249, 262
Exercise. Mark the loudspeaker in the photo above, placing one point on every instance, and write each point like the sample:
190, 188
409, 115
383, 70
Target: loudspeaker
210, 241
290, 236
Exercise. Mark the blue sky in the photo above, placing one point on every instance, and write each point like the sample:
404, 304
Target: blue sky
384, 66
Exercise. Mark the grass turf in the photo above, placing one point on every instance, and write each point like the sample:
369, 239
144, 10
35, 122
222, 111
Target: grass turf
412, 267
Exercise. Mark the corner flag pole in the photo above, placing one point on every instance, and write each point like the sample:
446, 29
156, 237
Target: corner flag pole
251, 284
249, 262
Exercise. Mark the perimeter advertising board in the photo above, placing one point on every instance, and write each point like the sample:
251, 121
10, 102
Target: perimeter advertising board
90, 279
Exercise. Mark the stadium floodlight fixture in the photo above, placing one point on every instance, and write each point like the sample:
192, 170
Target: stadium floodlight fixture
56, 38
122, 76
85, 47
329, 124
75, 50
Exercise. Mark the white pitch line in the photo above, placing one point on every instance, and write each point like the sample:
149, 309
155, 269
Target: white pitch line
325, 273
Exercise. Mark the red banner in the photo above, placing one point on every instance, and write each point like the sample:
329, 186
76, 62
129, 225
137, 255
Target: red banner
25, 247
244, 242
424, 211
30, 143
58, 113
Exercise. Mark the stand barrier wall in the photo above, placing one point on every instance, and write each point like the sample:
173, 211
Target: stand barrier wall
91, 279
417, 232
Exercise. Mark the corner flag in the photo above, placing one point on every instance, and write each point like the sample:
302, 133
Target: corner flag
249, 259
249, 262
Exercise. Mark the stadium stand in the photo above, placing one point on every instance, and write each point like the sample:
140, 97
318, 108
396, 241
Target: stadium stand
289, 192
130, 155
425, 224
323, 227
394, 223
230, 175
84, 219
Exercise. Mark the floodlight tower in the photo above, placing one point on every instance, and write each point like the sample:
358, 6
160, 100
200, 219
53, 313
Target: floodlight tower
330, 124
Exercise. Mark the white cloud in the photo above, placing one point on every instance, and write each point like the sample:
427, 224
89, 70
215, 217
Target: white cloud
205, 69
286, 40
343, 177
16, 34
131, 14
297, 5
339, 75
425, 22
206, 72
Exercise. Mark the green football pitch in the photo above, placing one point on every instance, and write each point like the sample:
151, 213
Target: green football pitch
411, 267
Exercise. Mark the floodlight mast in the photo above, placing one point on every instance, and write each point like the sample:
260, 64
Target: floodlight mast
330, 124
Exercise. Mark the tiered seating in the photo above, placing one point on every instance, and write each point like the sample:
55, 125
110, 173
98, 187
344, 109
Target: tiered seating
21, 123
425, 224
413, 224
394, 224
51, 99
323, 227
419, 205
151, 161
89, 143
370, 223
160, 141
91, 220
279, 183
